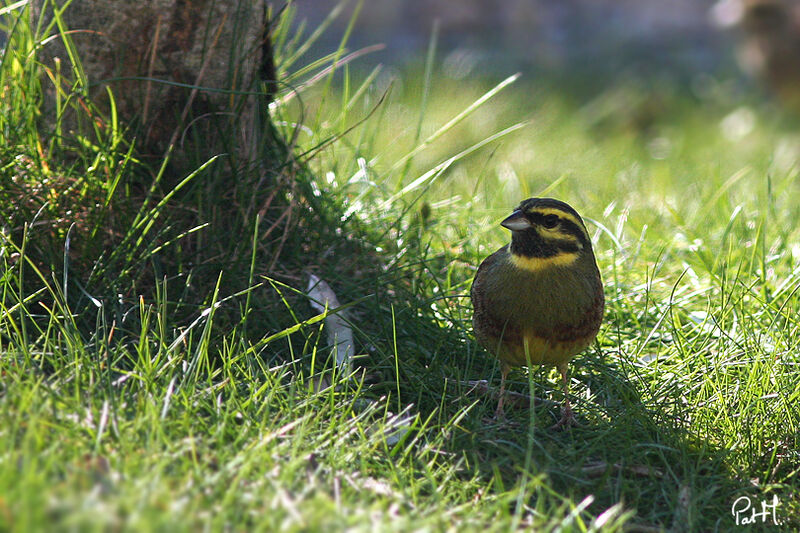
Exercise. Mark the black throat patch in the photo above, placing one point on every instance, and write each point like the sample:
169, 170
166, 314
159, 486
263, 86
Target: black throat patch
529, 243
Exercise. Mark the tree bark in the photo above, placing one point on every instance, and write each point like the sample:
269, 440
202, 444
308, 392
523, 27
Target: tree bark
176, 68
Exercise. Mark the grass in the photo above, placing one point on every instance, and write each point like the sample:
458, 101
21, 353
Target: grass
188, 409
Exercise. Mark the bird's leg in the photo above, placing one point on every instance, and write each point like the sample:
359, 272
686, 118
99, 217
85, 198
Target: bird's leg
567, 418
499, 414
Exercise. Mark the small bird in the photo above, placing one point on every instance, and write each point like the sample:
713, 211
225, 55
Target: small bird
539, 300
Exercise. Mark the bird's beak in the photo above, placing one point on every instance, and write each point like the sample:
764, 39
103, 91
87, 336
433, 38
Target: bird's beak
516, 221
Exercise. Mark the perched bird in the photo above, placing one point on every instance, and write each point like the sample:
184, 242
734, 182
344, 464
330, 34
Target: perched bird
539, 300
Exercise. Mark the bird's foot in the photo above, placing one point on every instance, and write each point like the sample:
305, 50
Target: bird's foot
567, 420
481, 386
511, 398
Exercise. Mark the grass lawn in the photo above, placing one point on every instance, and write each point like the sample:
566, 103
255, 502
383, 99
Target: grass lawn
130, 402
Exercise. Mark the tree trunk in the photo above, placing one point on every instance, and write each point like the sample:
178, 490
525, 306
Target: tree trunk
177, 69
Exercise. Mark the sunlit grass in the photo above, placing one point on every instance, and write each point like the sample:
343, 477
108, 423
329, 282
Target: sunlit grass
690, 199
123, 414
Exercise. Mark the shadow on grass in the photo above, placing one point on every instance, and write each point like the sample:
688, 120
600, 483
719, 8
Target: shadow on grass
644, 456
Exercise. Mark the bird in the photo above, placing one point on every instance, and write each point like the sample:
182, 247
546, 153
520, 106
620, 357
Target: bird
539, 299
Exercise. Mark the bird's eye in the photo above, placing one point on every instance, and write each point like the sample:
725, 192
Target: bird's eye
550, 221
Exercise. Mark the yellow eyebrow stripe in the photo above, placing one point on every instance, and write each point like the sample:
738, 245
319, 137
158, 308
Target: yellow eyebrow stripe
536, 264
561, 214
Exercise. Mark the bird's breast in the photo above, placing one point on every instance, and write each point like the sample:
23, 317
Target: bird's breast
537, 317
540, 351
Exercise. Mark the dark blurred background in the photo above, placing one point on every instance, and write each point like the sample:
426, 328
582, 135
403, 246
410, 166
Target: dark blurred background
590, 41
593, 42
536, 34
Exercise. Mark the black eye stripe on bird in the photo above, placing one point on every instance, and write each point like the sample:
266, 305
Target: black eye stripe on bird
544, 249
570, 237
567, 221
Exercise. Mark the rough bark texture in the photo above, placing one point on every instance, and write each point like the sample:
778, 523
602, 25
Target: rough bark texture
206, 43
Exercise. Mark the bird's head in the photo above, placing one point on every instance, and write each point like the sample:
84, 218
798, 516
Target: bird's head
545, 233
